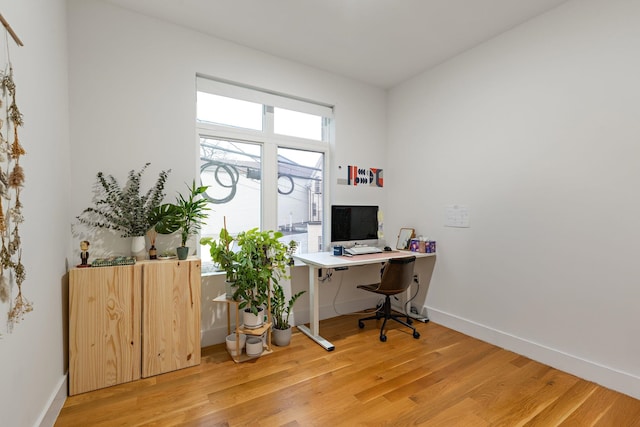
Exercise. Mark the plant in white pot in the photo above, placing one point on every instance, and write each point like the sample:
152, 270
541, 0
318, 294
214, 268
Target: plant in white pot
124, 208
261, 260
280, 312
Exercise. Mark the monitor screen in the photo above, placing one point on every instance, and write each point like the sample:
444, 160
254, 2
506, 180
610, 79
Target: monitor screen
353, 223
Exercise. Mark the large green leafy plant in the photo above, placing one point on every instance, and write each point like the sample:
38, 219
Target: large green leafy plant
124, 208
222, 253
164, 219
262, 258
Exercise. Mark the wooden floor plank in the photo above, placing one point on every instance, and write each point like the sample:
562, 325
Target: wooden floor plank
442, 379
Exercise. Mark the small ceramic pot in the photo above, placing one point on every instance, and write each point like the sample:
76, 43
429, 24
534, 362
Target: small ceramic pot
183, 252
251, 321
229, 288
254, 346
231, 343
281, 337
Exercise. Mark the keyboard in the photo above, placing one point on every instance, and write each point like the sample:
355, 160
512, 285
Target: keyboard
362, 250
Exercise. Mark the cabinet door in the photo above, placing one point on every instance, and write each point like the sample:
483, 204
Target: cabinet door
170, 316
104, 327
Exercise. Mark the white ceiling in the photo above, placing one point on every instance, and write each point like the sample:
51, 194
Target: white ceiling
380, 42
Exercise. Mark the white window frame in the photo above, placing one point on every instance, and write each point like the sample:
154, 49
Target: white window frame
270, 141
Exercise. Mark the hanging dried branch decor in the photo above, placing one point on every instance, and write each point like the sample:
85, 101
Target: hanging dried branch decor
11, 183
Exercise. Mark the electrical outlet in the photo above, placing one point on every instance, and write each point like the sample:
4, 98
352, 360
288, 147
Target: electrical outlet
416, 278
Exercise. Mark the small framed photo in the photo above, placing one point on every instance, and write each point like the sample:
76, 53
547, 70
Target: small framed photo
404, 238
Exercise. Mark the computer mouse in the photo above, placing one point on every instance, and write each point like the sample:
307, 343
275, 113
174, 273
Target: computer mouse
387, 249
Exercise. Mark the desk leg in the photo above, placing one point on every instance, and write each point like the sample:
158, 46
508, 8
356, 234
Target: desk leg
313, 331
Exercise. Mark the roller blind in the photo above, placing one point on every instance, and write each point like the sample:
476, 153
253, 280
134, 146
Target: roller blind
261, 96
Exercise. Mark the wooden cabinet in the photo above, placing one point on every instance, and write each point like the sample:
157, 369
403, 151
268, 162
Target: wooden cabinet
104, 327
133, 321
170, 316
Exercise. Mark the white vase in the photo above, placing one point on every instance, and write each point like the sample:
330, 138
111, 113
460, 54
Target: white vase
231, 344
251, 321
138, 248
254, 346
229, 288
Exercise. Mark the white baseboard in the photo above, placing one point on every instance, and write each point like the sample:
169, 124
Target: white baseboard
54, 406
614, 379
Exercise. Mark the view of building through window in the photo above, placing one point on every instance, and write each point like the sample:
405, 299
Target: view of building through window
300, 197
232, 171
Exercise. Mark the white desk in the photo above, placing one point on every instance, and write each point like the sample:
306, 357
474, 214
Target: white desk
319, 260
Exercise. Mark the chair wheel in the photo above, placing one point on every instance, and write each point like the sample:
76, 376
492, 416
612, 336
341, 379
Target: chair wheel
416, 334
409, 321
361, 324
383, 338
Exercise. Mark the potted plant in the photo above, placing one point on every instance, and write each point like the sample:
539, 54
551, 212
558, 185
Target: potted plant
163, 220
222, 254
189, 214
124, 208
280, 311
261, 260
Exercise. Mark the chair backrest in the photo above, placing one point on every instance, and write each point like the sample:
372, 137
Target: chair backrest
397, 274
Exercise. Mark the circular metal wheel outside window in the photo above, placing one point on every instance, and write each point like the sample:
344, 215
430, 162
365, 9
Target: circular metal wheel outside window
285, 184
225, 175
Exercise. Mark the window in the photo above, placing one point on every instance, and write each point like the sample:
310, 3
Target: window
300, 197
294, 123
228, 111
231, 169
263, 157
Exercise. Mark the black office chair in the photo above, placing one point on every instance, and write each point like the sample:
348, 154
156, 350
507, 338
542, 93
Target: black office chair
396, 277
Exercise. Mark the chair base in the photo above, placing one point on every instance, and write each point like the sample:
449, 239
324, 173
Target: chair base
388, 315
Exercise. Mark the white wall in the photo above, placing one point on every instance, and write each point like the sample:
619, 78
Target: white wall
32, 357
132, 96
537, 133
133, 99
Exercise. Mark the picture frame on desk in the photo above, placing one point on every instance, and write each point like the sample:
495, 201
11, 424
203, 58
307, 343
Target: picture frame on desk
404, 238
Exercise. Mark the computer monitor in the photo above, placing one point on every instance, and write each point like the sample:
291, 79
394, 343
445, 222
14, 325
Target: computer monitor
354, 223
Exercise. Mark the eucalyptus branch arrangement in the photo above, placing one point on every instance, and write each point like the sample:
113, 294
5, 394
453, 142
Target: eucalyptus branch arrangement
11, 183
124, 208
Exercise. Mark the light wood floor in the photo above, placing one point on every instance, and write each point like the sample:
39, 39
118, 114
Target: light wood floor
443, 379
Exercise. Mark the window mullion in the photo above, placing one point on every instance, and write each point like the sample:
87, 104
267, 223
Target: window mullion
268, 120
269, 186
269, 173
